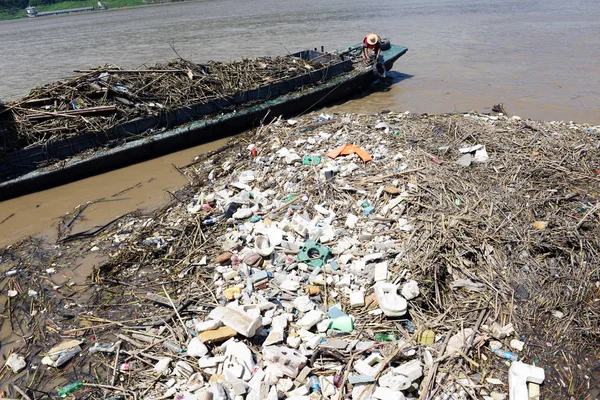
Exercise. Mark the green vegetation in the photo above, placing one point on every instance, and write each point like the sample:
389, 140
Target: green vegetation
13, 9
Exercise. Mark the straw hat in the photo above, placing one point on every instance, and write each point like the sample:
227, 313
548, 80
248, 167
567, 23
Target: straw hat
372, 39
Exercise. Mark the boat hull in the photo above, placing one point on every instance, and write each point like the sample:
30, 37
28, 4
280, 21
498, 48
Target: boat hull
196, 133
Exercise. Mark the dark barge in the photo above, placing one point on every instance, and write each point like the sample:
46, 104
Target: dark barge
58, 162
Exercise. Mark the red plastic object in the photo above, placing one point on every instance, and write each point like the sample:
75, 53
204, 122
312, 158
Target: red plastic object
435, 160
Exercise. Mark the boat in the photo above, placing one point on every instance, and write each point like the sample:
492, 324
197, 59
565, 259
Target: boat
31, 12
58, 162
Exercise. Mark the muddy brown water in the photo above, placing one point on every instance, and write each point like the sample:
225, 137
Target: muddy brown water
540, 58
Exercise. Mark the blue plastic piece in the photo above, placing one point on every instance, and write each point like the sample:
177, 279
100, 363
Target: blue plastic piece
367, 211
335, 312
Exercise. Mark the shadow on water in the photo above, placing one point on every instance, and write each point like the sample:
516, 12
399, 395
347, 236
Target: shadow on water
385, 84
380, 85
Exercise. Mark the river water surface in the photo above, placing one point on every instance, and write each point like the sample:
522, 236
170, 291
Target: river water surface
540, 58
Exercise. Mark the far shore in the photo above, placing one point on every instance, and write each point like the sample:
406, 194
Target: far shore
12, 14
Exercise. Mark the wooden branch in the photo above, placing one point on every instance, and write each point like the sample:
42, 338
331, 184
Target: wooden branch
132, 71
73, 113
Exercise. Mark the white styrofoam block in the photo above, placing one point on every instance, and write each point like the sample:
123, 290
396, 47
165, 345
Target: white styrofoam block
519, 374
357, 299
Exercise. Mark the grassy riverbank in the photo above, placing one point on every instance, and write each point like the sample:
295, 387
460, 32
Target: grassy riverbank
63, 5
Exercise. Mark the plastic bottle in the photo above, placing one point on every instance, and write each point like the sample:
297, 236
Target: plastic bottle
385, 337
66, 355
70, 388
213, 220
337, 380
509, 355
173, 347
126, 367
102, 347
315, 386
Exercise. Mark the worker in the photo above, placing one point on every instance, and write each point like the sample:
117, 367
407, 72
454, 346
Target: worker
372, 42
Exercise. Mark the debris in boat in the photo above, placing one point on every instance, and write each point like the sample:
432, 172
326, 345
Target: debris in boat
107, 96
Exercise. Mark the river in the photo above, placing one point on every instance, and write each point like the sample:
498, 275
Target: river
540, 58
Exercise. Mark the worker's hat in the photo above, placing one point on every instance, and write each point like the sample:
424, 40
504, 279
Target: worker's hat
372, 38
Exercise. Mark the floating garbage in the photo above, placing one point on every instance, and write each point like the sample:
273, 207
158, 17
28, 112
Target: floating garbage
347, 256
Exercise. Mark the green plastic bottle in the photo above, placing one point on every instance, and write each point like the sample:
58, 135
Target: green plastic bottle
385, 337
70, 388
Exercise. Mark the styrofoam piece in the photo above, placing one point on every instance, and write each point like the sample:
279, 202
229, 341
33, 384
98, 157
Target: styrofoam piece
327, 234
300, 392
362, 391
257, 379
243, 355
357, 299
162, 365
314, 341
328, 389
310, 319
392, 304
303, 303
279, 323
208, 325
293, 341
196, 348
273, 373
517, 344
275, 336
323, 325
369, 366
273, 395
287, 360
427, 358
410, 290
15, 362
519, 374
243, 213
274, 234
183, 370
412, 370
237, 387
290, 284
285, 385
210, 362
195, 382
299, 225
260, 392
500, 332
351, 221
263, 246
218, 391
458, 341
495, 345
321, 210
381, 271
237, 320
383, 393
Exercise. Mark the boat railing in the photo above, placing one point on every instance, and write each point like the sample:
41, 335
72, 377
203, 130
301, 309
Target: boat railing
23, 161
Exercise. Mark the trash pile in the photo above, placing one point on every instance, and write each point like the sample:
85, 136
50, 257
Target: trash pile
389, 256
107, 96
